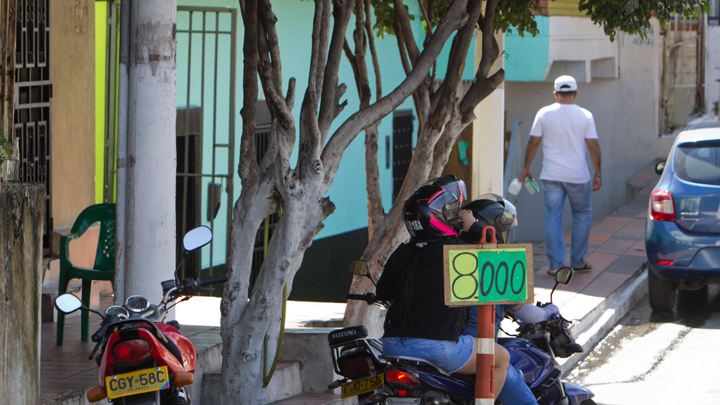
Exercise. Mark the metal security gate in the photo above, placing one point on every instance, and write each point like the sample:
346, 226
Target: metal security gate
206, 127
402, 147
32, 99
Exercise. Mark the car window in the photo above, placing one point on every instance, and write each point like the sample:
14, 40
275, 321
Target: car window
699, 162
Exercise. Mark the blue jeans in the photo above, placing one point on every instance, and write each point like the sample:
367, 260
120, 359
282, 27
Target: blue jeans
449, 355
554, 193
515, 391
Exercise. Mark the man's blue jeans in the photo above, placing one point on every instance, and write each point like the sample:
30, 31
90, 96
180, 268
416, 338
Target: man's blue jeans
554, 193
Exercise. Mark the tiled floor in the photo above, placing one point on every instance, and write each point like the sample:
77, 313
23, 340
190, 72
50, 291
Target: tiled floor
616, 251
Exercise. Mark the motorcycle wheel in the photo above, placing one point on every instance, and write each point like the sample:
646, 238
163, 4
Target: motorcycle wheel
588, 402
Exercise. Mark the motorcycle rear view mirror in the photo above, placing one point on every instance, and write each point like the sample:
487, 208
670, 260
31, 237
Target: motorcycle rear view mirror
563, 276
67, 303
361, 268
197, 238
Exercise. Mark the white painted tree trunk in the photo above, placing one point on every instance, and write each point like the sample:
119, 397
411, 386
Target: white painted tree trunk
151, 162
249, 321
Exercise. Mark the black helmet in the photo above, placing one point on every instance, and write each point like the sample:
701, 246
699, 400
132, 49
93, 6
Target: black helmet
431, 211
493, 210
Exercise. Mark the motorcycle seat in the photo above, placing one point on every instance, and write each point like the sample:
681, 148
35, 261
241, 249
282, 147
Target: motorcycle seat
417, 361
344, 335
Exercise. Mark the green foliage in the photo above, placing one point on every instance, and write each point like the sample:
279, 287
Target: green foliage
517, 15
633, 16
716, 107
384, 16
510, 14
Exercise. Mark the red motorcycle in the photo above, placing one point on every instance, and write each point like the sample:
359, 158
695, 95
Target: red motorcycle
145, 360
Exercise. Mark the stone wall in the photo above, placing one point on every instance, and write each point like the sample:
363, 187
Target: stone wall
22, 210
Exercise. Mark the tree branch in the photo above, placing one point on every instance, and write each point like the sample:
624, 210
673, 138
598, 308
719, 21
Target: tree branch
373, 51
403, 22
455, 18
456, 60
329, 102
477, 93
248, 168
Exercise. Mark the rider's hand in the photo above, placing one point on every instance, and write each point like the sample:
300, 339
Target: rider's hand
551, 309
468, 219
534, 314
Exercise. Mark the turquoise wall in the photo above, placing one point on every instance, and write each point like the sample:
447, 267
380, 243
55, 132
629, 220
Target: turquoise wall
295, 33
527, 57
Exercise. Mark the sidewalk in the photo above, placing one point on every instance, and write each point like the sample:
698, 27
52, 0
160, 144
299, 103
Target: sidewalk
595, 300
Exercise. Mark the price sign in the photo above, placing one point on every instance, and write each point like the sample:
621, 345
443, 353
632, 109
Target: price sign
488, 274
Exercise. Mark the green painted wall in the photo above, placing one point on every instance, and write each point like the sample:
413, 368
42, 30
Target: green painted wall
527, 57
294, 32
100, 53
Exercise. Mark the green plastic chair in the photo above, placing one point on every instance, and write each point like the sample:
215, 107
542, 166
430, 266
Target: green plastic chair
103, 268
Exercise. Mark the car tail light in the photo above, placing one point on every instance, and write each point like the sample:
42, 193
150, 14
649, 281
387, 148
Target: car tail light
662, 207
665, 262
131, 351
402, 378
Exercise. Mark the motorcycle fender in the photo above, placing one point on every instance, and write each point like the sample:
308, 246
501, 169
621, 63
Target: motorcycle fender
576, 393
162, 356
148, 398
535, 365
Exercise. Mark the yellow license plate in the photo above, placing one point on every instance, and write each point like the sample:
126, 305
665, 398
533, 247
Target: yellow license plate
137, 382
362, 386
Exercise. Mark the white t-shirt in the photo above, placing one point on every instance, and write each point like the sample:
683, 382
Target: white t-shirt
564, 129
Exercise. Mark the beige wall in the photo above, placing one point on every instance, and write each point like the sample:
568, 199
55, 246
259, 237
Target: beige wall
72, 71
626, 117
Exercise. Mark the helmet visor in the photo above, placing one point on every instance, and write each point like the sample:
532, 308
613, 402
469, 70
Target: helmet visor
450, 184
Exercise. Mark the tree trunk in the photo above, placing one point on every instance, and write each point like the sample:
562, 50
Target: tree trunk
251, 319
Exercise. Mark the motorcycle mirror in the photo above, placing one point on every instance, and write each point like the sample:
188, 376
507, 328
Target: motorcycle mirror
197, 238
564, 275
68, 303
359, 268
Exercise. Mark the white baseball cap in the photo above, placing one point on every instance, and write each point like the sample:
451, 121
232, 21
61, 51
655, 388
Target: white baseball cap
565, 84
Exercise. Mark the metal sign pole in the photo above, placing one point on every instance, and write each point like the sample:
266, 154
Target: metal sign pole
483, 276
485, 374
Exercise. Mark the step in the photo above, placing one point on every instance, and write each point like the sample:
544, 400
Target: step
285, 383
317, 399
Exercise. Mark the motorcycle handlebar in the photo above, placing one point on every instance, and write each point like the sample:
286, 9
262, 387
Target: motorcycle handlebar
368, 297
213, 280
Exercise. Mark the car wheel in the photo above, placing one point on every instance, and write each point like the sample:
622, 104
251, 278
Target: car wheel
663, 293
693, 298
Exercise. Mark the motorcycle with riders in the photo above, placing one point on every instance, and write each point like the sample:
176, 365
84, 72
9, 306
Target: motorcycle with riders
370, 373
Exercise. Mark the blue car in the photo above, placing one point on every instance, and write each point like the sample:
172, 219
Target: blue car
682, 235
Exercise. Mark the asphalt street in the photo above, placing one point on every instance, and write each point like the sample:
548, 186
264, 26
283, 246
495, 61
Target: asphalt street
651, 358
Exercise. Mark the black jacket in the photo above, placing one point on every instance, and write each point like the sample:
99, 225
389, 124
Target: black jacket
425, 315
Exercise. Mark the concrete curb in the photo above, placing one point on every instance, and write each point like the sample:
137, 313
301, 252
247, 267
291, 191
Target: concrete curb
594, 326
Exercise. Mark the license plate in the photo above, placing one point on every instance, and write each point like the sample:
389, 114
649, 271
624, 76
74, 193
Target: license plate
137, 382
362, 386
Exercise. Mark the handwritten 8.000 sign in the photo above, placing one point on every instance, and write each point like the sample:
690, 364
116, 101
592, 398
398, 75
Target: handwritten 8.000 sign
499, 275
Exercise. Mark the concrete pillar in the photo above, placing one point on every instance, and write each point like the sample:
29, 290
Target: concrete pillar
488, 132
151, 162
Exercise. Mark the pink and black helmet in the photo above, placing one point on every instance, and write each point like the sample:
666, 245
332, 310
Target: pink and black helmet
431, 212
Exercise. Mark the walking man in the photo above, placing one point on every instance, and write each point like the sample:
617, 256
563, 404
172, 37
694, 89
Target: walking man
567, 131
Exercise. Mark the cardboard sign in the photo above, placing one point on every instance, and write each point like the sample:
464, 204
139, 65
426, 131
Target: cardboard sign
488, 274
